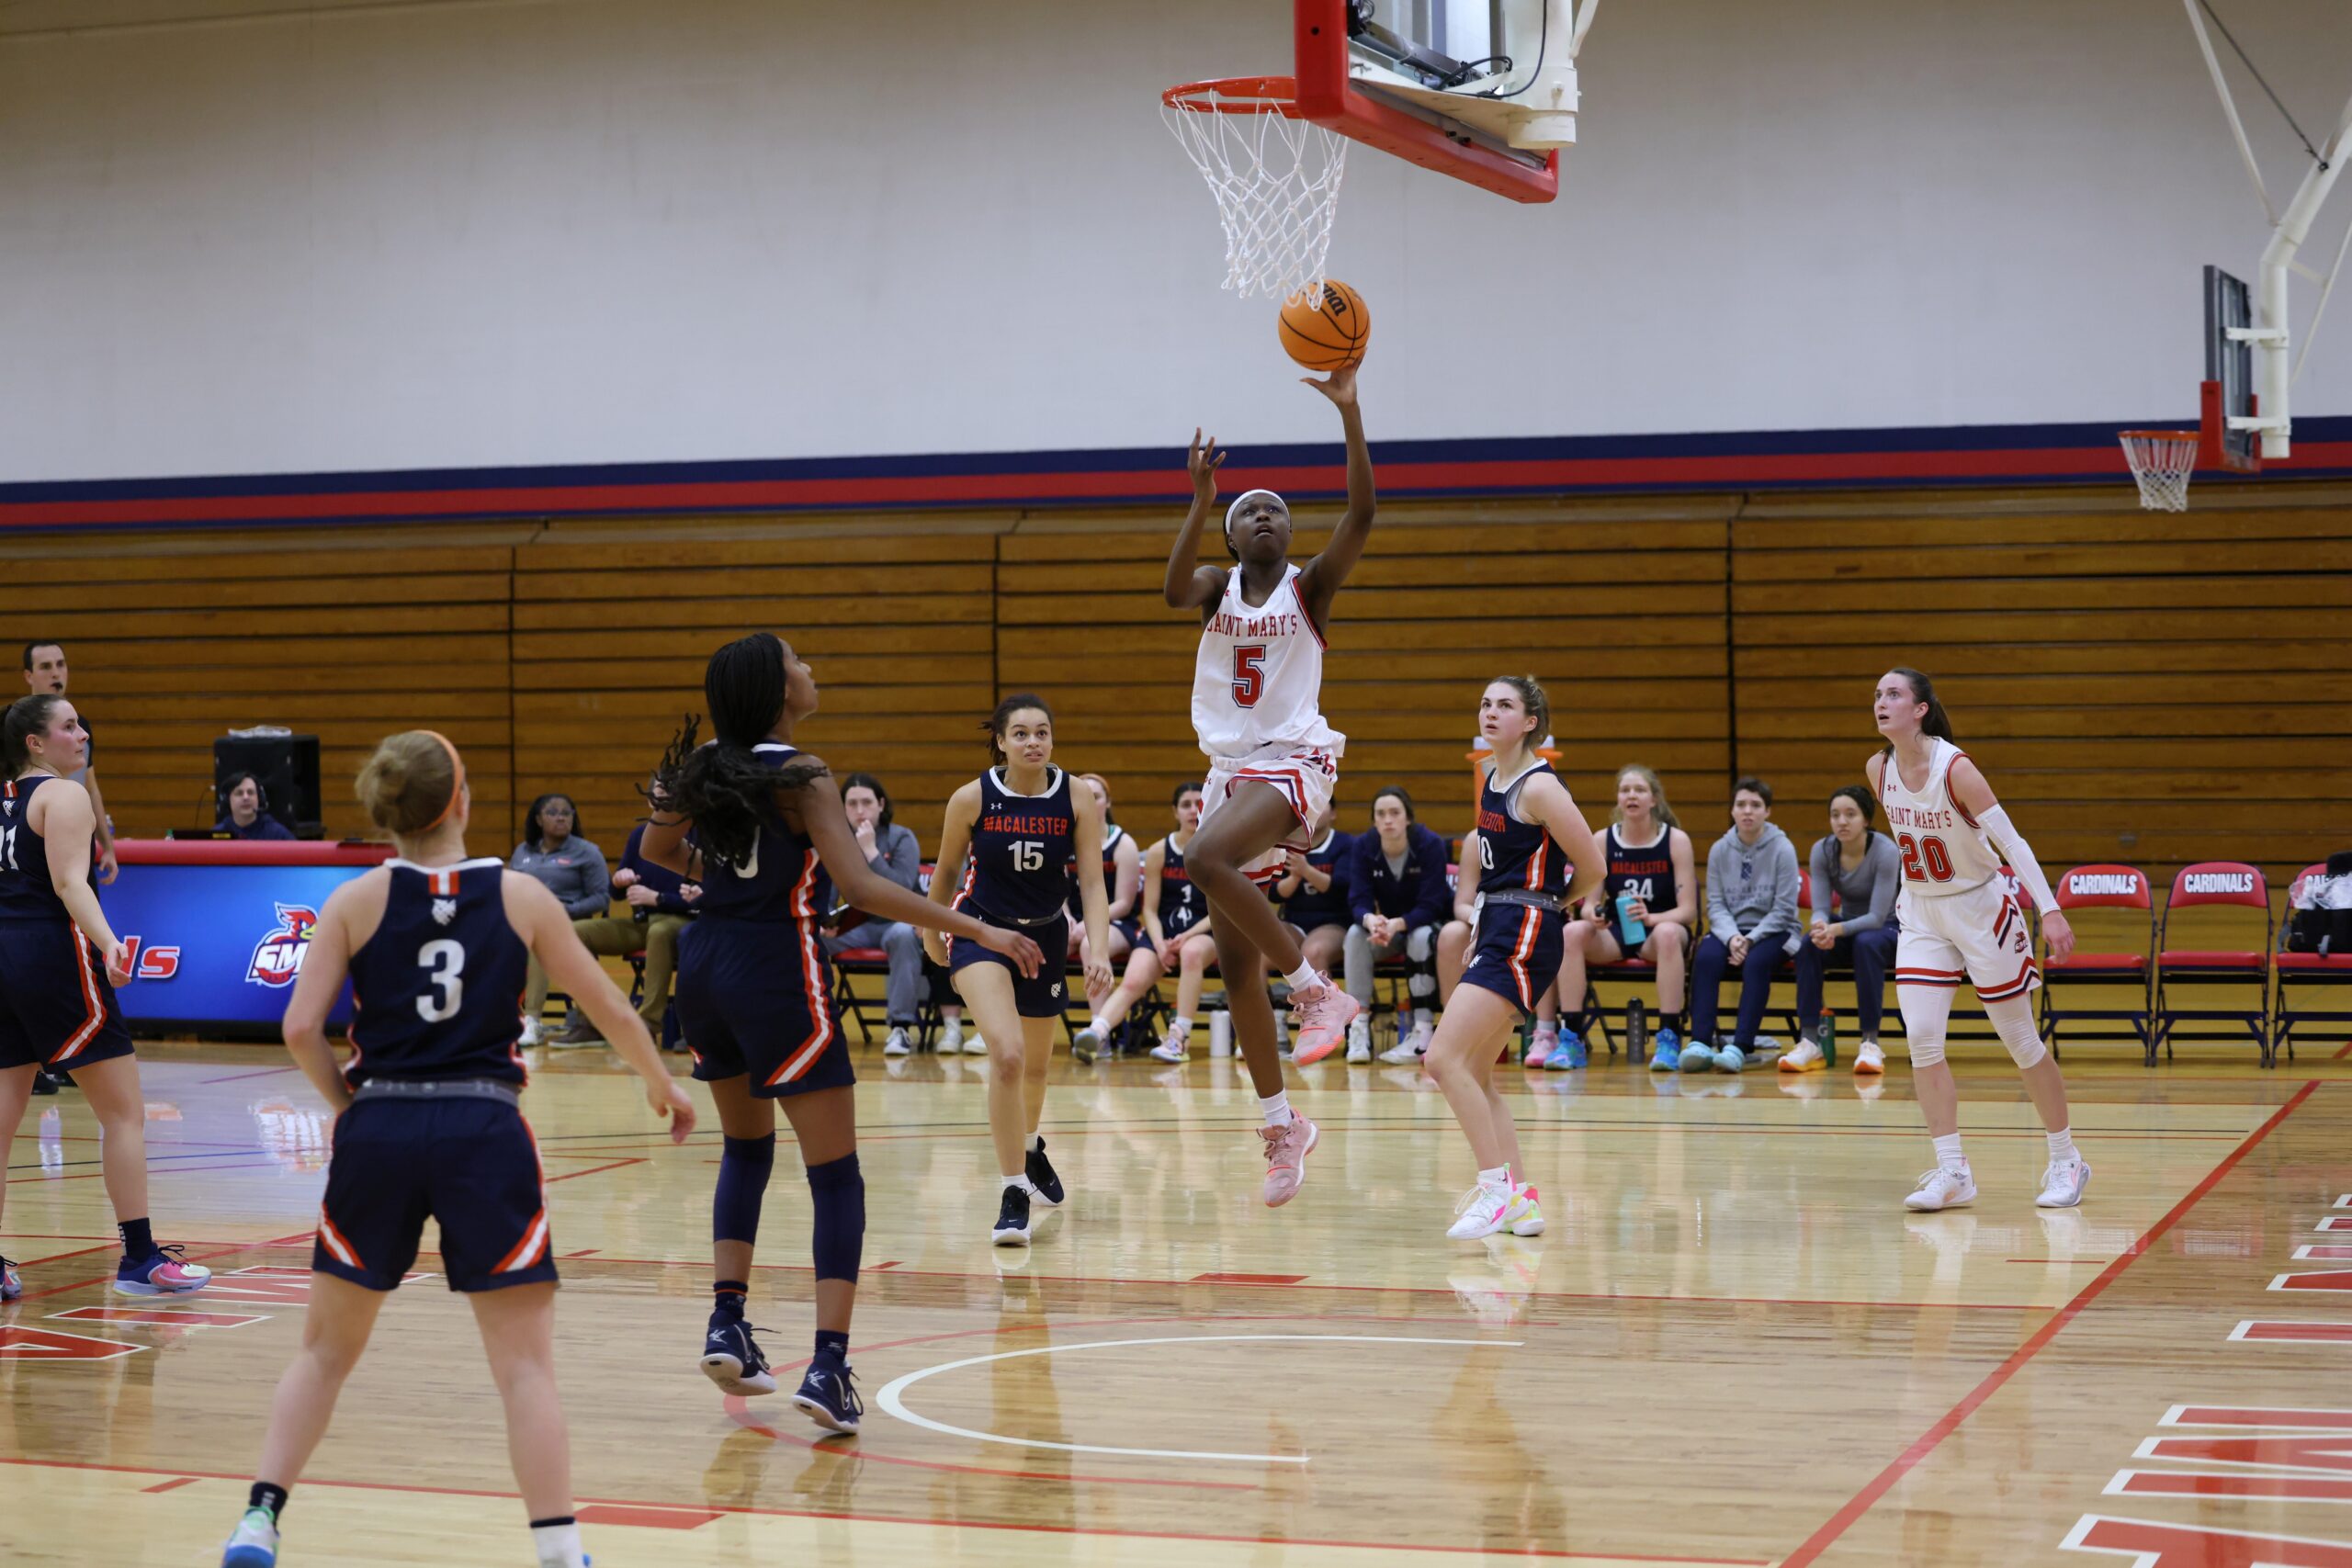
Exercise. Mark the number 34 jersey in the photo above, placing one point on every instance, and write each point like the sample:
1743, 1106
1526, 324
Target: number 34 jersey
439, 985
1018, 870
1258, 683
1944, 852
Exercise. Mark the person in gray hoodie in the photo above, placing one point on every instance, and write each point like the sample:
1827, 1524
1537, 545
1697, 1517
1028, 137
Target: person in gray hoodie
1751, 926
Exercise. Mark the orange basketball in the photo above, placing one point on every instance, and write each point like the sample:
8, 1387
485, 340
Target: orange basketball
1325, 328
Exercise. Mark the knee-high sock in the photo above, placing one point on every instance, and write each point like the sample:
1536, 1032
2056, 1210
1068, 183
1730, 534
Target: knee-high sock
744, 1166
837, 1239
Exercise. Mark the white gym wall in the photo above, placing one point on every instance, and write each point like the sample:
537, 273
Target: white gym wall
250, 236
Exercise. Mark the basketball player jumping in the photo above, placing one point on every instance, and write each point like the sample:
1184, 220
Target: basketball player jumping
1959, 925
1257, 705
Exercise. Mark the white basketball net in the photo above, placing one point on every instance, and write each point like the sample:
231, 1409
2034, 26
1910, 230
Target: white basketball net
2161, 462
1276, 180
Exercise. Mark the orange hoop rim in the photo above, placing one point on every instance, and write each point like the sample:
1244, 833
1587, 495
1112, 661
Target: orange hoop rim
1237, 94
2191, 436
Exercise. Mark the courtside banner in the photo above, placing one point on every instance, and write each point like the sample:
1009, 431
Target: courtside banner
218, 935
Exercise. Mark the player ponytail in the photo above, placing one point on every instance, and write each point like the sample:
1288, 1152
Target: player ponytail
723, 786
1937, 723
409, 784
27, 717
1658, 806
1001, 720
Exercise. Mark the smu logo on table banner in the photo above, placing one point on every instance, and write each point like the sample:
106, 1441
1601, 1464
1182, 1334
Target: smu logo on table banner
152, 963
277, 957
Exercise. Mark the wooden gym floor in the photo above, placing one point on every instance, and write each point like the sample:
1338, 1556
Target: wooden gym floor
1732, 1347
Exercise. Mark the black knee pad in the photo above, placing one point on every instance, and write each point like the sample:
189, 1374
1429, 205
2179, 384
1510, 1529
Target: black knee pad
837, 1238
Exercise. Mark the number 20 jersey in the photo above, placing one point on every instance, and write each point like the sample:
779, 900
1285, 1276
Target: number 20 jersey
1944, 852
1258, 683
439, 986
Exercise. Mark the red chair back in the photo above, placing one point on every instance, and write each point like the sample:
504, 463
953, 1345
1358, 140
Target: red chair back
2104, 887
2295, 888
2219, 882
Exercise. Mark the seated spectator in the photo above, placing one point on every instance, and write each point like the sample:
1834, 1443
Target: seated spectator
575, 871
1312, 892
891, 849
1751, 926
660, 902
1122, 881
1176, 934
245, 810
1862, 872
1651, 881
1398, 897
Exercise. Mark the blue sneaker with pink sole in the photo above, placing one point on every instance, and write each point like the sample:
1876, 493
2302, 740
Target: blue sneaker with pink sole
164, 1274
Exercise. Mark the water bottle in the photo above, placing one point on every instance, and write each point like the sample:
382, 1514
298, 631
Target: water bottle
1631, 932
1827, 1037
1220, 1034
1638, 1032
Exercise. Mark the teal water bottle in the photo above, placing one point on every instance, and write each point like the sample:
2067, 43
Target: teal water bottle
1827, 1037
1631, 932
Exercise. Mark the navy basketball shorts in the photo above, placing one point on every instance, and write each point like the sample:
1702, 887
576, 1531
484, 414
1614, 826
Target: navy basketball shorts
469, 1164
56, 1005
1045, 996
1518, 953
756, 998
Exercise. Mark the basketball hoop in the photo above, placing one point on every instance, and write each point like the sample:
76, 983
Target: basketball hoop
2161, 461
1274, 175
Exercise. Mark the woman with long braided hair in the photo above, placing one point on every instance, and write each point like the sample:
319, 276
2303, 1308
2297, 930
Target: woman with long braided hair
752, 818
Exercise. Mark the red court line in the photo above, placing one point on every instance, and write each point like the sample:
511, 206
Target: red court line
257, 1073
955, 1524
103, 1279
594, 1168
1910, 1458
172, 1486
61, 1257
2341, 1055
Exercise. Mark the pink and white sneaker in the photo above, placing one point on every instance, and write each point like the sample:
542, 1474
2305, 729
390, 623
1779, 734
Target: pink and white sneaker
12, 1284
1286, 1151
161, 1275
1322, 1017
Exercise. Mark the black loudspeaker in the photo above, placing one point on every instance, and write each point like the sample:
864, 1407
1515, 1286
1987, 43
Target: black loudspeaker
287, 767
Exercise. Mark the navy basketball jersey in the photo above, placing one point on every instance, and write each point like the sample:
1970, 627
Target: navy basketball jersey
1018, 869
1111, 835
780, 880
439, 986
1310, 908
1646, 871
1515, 855
1181, 904
25, 890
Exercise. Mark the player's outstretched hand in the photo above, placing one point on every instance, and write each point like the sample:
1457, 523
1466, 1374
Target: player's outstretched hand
1013, 945
2059, 935
119, 963
669, 1098
1098, 977
1339, 385
1202, 462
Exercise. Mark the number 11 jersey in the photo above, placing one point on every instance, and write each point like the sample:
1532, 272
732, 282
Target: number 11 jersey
1258, 683
439, 985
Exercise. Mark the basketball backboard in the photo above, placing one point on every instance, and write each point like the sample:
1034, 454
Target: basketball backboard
1482, 90
2226, 436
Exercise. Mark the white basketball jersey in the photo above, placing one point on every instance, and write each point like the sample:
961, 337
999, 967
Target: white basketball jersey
1944, 852
1259, 681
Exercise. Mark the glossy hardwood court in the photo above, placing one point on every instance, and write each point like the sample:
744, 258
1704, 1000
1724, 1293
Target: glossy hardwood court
1732, 1347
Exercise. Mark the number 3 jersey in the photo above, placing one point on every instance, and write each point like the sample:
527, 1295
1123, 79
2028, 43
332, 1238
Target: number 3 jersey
1944, 852
1018, 870
1258, 683
439, 985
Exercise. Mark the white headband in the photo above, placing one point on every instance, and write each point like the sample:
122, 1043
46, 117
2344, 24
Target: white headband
1243, 500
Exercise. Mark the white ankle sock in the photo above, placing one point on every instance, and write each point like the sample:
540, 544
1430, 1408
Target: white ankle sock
559, 1546
1036, 1142
1180, 1027
1275, 1107
1948, 1154
1097, 1025
1304, 977
1423, 1018
2062, 1146
1498, 1176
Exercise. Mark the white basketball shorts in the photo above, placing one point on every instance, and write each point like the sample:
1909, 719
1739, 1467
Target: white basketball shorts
1304, 776
1977, 938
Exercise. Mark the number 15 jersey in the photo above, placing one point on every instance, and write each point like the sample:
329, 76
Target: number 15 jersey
1258, 683
1018, 870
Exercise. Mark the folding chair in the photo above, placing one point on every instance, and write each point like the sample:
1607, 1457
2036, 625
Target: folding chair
2104, 887
2214, 884
2310, 970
